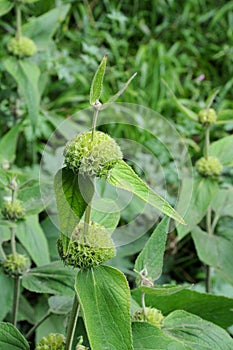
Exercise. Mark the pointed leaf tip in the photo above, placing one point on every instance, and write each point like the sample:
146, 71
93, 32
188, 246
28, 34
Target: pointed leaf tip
97, 82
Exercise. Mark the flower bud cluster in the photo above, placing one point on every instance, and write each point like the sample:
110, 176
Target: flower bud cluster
22, 47
209, 167
152, 315
12, 211
15, 265
54, 341
207, 116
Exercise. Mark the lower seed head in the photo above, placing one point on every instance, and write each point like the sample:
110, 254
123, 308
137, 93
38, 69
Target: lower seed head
13, 211
15, 265
209, 167
54, 341
22, 47
207, 116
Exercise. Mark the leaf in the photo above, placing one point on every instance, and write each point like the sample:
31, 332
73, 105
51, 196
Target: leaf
30, 195
4, 178
195, 332
215, 251
105, 212
5, 7
97, 82
6, 294
202, 192
123, 176
222, 149
216, 309
151, 257
104, 296
60, 304
73, 193
32, 237
149, 337
8, 144
26, 74
162, 290
41, 29
222, 203
52, 279
11, 338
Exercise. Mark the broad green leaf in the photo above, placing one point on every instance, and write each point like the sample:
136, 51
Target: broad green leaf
149, 337
54, 278
41, 29
195, 332
162, 290
215, 251
151, 257
104, 296
203, 191
123, 176
97, 82
222, 203
73, 193
222, 149
26, 74
26, 310
5, 7
4, 231
60, 304
30, 195
106, 213
216, 309
6, 294
8, 144
4, 178
32, 237
11, 338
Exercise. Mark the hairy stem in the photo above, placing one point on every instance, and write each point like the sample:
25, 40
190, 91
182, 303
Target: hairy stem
96, 112
18, 21
207, 142
41, 320
143, 305
209, 231
87, 219
72, 324
16, 300
13, 243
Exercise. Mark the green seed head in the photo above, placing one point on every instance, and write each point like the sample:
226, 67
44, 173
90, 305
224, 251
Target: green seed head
207, 116
22, 47
53, 341
153, 316
209, 167
15, 265
89, 250
92, 157
13, 211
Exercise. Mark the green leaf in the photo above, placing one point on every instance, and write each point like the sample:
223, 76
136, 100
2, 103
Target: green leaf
149, 337
104, 296
105, 212
222, 149
32, 237
162, 290
8, 144
5, 7
30, 195
26, 74
216, 309
222, 203
215, 251
41, 29
60, 304
97, 82
6, 294
73, 193
151, 257
202, 192
195, 332
4, 178
123, 176
11, 338
52, 279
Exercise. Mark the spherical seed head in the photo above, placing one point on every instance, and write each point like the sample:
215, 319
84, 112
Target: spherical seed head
13, 211
53, 341
153, 316
90, 250
92, 157
207, 116
209, 167
15, 265
22, 47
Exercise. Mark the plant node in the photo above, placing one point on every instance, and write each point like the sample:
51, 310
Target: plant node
209, 167
13, 211
22, 47
15, 265
54, 341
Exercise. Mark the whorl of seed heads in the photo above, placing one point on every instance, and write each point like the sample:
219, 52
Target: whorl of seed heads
15, 265
207, 116
89, 250
209, 167
54, 341
13, 211
22, 47
153, 316
92, 157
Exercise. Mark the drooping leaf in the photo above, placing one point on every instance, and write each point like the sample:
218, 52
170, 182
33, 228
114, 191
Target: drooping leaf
123, 176
222, 203
162, 290
104, 296
11, 338
97, 82
151, 257
32, 237
26, 74
8, 144
215, 251
5, 7
222, 149
202, 192
54, 278
6, 294
195, 332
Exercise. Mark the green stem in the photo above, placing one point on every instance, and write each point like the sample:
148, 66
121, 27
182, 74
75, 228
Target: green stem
143, 305
16, 300
87, 219
2, 253
18, 21
41, 320
72, 324
209, 231
13, 243
207, 142
208, 279
214, 223
96, 112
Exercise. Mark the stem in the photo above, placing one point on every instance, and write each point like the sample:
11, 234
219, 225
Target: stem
13, 244
16, 300
214, 223
207, 142
32, 330
144, 305
209, 231
87, 220
2, 252
96, 112
72, 324
208, 221
18, 21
